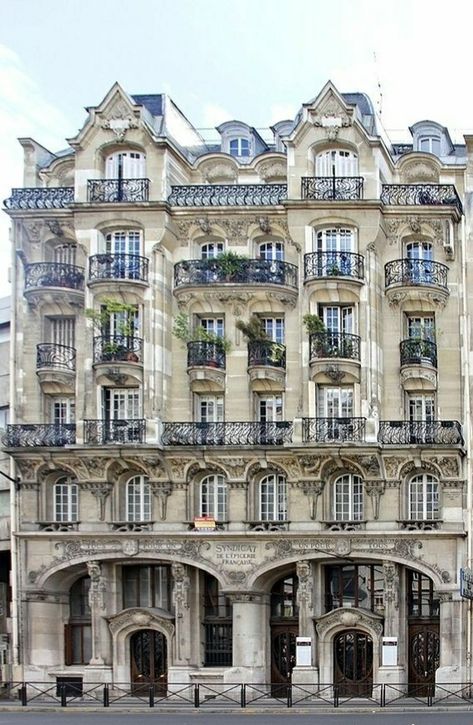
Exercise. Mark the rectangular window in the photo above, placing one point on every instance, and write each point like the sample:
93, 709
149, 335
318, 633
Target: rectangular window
209, 408
62, 411
146, 586
66, 501
61, 331
274, 328
212, 325
334, 402
420, 327
269, 408
421, 408
337, 318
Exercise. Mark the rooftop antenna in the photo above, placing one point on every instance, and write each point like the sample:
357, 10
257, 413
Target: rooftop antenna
379, 102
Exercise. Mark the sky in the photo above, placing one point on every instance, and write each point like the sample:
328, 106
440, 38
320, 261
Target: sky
254, 60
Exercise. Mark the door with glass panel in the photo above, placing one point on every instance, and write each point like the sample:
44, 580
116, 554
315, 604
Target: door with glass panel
61, 338
336, 162
337, 340
335, 413
269, 414
421, 341
123, 249
421, 413
126, 165
419, 262
284, 631
335, 247
148, 662
122, 415
209, 419
62, 415
353, 663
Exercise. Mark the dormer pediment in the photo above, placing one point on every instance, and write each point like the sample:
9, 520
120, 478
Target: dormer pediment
328, 110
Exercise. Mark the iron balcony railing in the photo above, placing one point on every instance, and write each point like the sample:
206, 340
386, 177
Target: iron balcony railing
114, 190
54, 197
227, 434
118, 348
420, 432
417, 352
103, 431
242, 271
54, 274
56, 357
266, 354
332, 188
118, 266
334, 344
333, 430
205, 354
334, 264
421, 195
415, 272
228, 195
39, 434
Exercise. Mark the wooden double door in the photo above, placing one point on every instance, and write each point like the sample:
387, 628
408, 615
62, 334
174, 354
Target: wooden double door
424, 657
353, 663
148, 660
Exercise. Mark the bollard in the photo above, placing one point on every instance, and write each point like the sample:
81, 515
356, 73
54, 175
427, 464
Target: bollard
63, 696
151, 696
289, 695
106, 696
335, 696
22, 693
243, 695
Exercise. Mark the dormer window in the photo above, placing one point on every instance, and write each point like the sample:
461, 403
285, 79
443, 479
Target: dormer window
432, 138
430, 144
239, 147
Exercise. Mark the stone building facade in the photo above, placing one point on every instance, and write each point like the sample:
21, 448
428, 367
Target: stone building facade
195, 494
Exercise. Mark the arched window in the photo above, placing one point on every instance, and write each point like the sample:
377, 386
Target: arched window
336, 162
66, 500
239, 147
125, 165
65, 253
271, 251
138, 499
213, 497
273, 498
423, 497
78, 632
123, 241
210, 250
348, 498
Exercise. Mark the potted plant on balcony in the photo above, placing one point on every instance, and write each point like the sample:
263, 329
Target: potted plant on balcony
313, 325
254, 331
185, 332
230, 265
118, 346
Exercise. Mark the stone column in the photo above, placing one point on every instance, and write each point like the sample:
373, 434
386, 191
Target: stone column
392, 619
452, 635
181, 579
97, 607
250, 631
237, 500
305, 674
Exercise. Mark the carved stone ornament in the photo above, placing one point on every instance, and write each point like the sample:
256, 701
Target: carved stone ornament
455, 484
375, 490
311, 464
272, 170
331, 116
349, 618
448, 465
116, 376
418, 373
181, 579
161, 489
33, 231
98, 586
444, 597
77, 465
392, 465
420, 171
391, 583
101, 490
235, 467
312, 489
28, 468
119, 119
219, 170
334, 373
236, 229
305, 588
153, 465
142, 618
290, 464
370, 464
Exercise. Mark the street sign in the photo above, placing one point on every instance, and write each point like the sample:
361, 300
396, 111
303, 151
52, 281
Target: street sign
466, 583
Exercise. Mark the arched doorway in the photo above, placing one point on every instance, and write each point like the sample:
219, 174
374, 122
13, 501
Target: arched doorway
353, 663
284, 630
148, 660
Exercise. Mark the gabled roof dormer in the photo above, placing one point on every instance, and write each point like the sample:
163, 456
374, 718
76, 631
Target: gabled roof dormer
241, 141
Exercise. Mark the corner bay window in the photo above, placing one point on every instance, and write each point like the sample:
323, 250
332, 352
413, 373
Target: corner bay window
147, 586
354, 585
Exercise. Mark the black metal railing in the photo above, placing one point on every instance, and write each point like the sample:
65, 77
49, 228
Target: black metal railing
227, 434
334, 264
228, 195
334, 344
420, 432
266, 353
118, 266
416, 272
421, 195
243, 271
416, 352
332, 188
54, 274
205, 354
39, 434
118, 348
54, 197
113, 190
103, 431
57, 357
333, 430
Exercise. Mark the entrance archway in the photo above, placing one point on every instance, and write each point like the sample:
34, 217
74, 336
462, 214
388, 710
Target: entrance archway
148, 661
353, 663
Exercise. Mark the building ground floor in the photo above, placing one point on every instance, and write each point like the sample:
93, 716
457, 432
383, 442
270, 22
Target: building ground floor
223, 608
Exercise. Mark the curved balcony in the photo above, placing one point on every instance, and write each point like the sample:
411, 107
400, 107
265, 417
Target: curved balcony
344, 268
55, 367
327, 346
418, 364
227, 434
245, 272
118, 431
54, 197
44, 279
333, 430
118, 267
118, 348
34, 435
228, 195
415, 279
267, 364
332, 188
420, 432
421, 195
112, 191
205, 366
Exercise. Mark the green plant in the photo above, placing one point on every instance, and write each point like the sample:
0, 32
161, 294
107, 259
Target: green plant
313, 324
184, 331
229, 264
253, 330
101, 318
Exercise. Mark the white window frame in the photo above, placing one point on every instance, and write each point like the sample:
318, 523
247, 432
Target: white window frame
65, 253
66, 500
423, 498
269, 408
335, 401
335, 239
212, 325
271, 250
62, 410
348, 498
61, 330
124, 241
129, 164
209, 408
138, 499
272, 498
212, 249
338, 318
274, 328
213, 497
421, 408
431, 144
239, 147
123, 404
336, 162
420, 327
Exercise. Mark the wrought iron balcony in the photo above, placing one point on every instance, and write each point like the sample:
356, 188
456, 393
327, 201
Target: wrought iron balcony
54, 274
415, 272
227, 434
104, 431
118, 348
39, 434
245, 271
333, 430
110, 191
55, 357
268, 525
228, 195
54, 197
265, 353
205, 354
421, 195
334, 344
332, 188
420, 432
118, 266
334, 264
417, 352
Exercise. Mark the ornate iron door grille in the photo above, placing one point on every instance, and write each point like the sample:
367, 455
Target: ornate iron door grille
148, 656
353, 664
